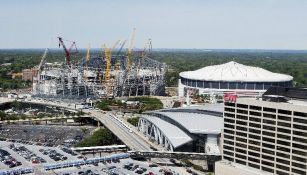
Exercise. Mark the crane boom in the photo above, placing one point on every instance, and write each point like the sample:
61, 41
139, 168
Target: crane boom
129, 62
42, 60
67, 51
88, 56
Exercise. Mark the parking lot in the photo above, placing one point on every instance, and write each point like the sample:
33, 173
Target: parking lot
122, 167
46, 135
31, 155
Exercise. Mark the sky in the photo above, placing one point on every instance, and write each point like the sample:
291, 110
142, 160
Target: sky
200, 24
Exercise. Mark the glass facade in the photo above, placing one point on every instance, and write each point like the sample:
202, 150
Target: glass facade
233, 85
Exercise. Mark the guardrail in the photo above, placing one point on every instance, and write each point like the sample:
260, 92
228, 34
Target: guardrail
123, 123
85, 162
17, 171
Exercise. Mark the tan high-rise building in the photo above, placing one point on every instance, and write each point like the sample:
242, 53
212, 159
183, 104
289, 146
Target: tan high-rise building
266, 135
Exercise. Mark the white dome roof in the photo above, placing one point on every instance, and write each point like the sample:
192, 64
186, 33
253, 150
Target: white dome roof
235, 72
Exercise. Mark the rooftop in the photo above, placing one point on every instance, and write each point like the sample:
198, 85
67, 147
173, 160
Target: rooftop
195, 122
235, 72
175, 135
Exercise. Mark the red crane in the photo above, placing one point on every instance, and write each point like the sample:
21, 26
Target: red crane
68, 52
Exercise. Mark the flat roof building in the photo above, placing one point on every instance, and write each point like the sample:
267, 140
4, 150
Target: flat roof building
266, 135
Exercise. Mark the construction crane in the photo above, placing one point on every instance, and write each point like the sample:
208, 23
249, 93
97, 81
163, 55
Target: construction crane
108, 57
129, 54
68, 52
42, 60
88, 56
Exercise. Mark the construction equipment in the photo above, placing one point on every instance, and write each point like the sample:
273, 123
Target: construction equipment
69, 51
129, 54
88, 56
108, 57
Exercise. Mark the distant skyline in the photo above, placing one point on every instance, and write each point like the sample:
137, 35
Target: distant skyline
182, 24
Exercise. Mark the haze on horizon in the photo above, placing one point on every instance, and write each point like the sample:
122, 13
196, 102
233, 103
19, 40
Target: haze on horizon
202, 24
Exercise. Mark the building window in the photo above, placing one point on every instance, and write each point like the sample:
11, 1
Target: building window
301, 114
240, 162
229, 126
282, 167
228, 158
228, 137
254, 113
271, 122
241, 128
300, 120
268, 158
255, 131
257, 108
242, 117
267, 169
232, 85
206, 84
280, 117
223, 85
200, 84
215, 85
271, 116
301, 140
269, 110
259, 86
242, 106
284, 112
241, 86
266, 145
228, 153
229, 104
250, 85
254, 165
283, 155
242, 111
240, 151
298, 171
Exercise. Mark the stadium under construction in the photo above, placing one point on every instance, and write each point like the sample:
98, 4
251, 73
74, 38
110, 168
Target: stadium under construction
114, 73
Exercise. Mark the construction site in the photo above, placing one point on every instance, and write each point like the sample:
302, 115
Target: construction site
115, 72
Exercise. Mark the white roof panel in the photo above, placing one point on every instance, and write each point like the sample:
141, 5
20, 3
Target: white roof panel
176, 136
196, 123
235, 72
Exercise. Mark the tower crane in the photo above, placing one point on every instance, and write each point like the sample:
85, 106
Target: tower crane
108, 56
88, 56
129, 54
68, 52
42, 60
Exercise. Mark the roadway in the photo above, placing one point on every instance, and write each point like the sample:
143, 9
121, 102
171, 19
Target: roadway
131, 139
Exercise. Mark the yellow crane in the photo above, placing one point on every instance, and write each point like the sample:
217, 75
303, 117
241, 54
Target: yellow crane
108, 57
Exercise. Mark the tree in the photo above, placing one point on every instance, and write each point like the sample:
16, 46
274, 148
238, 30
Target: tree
2, 115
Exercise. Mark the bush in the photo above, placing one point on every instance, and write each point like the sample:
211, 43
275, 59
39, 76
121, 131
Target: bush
133, 121
147, 103
103, 106
199, 168
100, 137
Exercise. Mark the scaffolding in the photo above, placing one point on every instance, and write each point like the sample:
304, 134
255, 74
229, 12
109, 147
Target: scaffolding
102, 76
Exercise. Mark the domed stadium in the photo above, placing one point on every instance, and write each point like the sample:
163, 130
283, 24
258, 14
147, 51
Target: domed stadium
230, 77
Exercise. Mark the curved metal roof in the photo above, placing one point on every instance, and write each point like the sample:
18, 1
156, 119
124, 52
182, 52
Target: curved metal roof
176, 136
235, 72
194, 122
